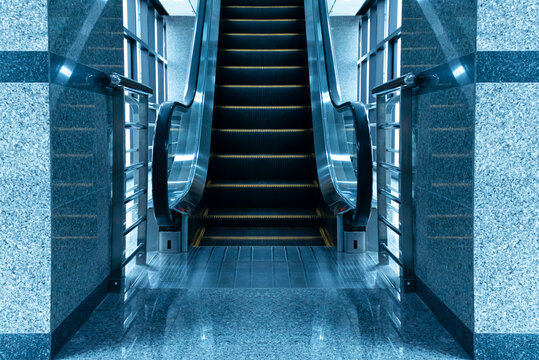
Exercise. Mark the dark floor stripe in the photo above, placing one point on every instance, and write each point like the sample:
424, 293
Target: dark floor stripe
24, 66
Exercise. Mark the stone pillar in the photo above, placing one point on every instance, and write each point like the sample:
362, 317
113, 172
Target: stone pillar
506, 180
25, 190
55, 179
476, 183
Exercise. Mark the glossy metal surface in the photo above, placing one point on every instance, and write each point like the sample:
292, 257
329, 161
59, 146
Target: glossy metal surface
333, 122
188, 125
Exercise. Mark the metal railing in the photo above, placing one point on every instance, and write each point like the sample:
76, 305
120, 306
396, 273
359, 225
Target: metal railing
129, 177
394, 176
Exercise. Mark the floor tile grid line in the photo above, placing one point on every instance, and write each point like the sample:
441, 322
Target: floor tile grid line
317, 258
207, 279
202, 278
296, 248
182, 269
236, 279
227, 249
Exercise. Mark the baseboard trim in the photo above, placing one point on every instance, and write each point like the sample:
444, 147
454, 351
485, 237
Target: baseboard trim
25, 346
74, 321
446, 317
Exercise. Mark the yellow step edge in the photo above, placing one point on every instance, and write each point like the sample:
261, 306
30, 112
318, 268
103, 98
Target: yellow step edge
261, 86
275, 185
262, 130
299, 216
263, 34
262, 156
198, 237
263, 20
325, 236
269, 107
262, 6
262, 67
262, 50
262, 237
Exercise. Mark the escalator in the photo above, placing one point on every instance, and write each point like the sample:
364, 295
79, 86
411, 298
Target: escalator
262, 151
262, 187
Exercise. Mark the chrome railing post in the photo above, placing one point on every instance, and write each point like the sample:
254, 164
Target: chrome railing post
143, 179
381, 179
118, 189
403, 196
406, 207
119, 258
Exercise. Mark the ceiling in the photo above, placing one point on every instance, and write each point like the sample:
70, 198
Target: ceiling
180, 7
344, 7
337, 7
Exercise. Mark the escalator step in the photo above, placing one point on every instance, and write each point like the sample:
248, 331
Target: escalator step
261, 117
262, 12
262, 75
262, 236
262, 57
238, 217
262, 141
262, 187
293, 25
262, 41
262, 194
262, 166
261, 94
261, 2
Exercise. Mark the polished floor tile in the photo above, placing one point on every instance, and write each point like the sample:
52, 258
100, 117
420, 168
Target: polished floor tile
243, 310
263, 267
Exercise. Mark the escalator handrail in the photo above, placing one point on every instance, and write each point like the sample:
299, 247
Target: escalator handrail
361, 125
163, 122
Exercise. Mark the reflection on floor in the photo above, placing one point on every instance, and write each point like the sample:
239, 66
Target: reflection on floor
262, 267
296, 303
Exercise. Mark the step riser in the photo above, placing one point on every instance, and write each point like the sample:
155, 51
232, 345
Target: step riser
210, 242
262, 143
263, 96
227, 118
254, 27
261, 2
262, 42
260, 197
268, 169
260, 76
260, 222
261, 58
263, 13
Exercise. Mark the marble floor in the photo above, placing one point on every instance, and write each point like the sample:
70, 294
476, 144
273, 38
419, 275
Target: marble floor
341, 309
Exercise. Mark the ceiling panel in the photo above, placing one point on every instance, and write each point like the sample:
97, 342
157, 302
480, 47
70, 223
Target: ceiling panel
180, 7
344, 7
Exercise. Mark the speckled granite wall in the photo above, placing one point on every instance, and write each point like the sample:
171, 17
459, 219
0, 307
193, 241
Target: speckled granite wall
83, 35
506, 182
436, 33
507, 25
506, 222
25, 216
55, 178
476, 184
23, 25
